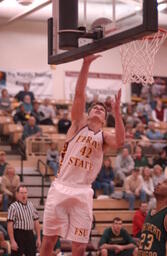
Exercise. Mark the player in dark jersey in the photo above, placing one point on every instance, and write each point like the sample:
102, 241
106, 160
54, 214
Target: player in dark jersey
154, 231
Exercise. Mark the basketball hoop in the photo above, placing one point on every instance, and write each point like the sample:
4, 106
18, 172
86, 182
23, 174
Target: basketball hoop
138, 58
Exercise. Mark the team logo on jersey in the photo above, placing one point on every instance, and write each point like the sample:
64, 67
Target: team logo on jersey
88, 140
81, 232
153, 230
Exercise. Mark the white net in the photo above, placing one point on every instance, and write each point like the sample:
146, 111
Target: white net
138, 58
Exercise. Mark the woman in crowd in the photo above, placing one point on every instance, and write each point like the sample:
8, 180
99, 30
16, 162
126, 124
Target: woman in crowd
105, 179
10, 182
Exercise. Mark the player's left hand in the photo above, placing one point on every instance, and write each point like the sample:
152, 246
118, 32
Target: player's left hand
116, 103
38, 243
90, 58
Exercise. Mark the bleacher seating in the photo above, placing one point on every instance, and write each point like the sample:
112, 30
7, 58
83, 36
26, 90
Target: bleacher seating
105, 210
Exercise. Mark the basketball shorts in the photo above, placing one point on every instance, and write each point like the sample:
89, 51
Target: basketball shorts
68, 212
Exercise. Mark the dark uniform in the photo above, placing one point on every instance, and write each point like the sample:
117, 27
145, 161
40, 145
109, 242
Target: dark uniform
153, 236
123, 238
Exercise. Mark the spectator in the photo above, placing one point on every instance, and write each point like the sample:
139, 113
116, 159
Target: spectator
35, 112
116, 241
53, 158
138, 219
20, 95
3, 162
129, 131
140, 160
10, 182
148, 187
105, 179
159, 113
5, 104
158, 175
139, 133
145, 108
31, 129
64, 123
153, 134
141, 117
47, 113
20, 115
3, 202
22, 220
129, 117
133, 188
158, 89
27, 105
161, 159
123, 165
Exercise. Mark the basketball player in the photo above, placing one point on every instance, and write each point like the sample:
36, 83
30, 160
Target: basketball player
154, 231
68, 209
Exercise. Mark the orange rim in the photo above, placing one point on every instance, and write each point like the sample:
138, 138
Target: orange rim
159, 34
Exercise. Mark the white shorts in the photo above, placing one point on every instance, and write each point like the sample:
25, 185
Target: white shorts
68, 212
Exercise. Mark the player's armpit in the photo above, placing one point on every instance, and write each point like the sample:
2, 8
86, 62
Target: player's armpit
109, 141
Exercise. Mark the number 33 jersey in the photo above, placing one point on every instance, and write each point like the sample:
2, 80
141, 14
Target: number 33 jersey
81, 158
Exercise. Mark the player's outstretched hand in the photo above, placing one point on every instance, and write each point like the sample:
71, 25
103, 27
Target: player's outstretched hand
116, 103
90, 58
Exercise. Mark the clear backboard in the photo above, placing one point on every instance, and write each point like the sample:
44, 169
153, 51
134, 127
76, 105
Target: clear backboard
82, 27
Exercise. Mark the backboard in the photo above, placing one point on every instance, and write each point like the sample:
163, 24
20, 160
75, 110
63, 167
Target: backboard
82, 27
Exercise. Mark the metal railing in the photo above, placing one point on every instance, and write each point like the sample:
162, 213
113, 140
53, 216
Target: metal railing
43, 176
21, 151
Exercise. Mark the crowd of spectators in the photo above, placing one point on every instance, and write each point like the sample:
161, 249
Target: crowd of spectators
135, 170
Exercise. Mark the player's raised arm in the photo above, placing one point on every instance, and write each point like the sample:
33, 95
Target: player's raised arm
78, 106
119, 139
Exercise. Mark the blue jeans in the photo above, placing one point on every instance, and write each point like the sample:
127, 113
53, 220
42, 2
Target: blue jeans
108, 188
5, 202
54, 166
131, 198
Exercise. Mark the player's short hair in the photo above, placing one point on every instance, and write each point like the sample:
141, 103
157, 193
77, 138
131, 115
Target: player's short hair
100, 104
117, 219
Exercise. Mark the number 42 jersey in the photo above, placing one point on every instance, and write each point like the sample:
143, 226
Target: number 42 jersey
81, 158
154, 236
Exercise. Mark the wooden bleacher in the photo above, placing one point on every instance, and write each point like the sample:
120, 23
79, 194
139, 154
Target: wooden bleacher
48, 129
105, 210
3, 216
111, 204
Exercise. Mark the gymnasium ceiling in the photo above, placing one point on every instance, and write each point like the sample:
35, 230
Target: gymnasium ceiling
40, 10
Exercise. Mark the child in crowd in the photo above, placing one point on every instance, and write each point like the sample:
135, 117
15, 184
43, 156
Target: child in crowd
53, 158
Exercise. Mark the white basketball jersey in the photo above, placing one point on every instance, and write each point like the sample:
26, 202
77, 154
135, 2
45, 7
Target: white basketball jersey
81, 158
